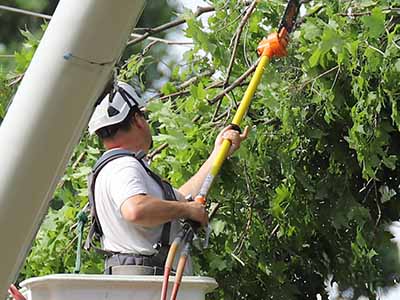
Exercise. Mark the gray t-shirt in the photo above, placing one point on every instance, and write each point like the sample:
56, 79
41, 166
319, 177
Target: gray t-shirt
119, 180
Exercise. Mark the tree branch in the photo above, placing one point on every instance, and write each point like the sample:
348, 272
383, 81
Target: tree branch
164, 41
16, 79
238, 33
236, 83
152, 31
25, 12
319, 76
181, 88
156, 151
388, 10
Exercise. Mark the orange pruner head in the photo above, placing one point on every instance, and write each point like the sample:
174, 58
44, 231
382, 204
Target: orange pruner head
201, 199
274, 45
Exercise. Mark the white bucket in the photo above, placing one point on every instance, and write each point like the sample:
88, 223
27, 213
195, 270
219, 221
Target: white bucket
112, 287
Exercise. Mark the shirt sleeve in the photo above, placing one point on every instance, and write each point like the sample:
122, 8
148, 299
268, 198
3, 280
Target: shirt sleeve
127, 180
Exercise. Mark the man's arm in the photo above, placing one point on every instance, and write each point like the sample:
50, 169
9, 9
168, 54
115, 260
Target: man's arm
149, 211
193, 185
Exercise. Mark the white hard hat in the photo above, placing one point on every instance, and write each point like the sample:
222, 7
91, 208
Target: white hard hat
114, 111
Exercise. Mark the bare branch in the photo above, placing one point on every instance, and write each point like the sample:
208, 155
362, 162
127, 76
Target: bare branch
238, 33
236, 83
181, 88
319, 76
16, 79
25, 12
245, 231
388, 10
275, 230
164, 41
213, 211
156, 151
377, 201
374, 48
152, 31
173, 95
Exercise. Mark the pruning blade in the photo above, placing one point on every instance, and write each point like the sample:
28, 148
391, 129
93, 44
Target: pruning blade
289, 17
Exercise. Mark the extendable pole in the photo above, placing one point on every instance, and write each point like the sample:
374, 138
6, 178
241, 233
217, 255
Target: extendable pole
274, 45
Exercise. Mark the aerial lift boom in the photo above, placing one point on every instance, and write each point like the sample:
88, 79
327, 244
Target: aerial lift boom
49, 112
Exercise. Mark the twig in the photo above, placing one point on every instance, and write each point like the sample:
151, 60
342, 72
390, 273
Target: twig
70, 244
336, 77
196, 118
273, 231
245, 53
73, 167
239, 247
238, 259
319, 76
78, 160
221, 116
194, 79
152, 31
17, 79
147, 48
173, 95
238, 33
236, 83
25, 12
215, 117
368, 13
7, 55
156, 151
377, 205
181, 87
376, 49
164, 41
213, 211
397, 46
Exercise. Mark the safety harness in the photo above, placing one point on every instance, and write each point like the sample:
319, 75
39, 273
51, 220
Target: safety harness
95, 230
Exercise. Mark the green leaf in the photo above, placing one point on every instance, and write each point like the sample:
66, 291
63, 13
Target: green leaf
331, 40
375, 23
310, 31
390, 161
386, 193
397, 65
314, 59
168, 88
218, 226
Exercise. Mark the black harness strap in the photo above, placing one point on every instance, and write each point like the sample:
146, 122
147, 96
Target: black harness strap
95, 227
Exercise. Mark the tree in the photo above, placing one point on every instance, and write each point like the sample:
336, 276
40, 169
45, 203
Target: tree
314, 187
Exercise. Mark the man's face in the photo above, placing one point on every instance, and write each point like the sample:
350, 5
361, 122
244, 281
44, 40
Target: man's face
148, 138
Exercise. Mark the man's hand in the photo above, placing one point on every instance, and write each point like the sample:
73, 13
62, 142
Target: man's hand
193, 185
196, 211
234, 136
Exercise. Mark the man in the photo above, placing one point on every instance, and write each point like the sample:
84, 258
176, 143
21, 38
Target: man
129, 199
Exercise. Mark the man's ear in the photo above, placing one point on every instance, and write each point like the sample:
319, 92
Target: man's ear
138, 121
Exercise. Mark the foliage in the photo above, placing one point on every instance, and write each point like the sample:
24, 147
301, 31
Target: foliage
313, 188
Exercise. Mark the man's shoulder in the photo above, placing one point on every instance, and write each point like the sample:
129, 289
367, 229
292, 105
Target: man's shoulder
122, 163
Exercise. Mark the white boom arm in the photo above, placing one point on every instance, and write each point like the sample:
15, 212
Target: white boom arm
49, 112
